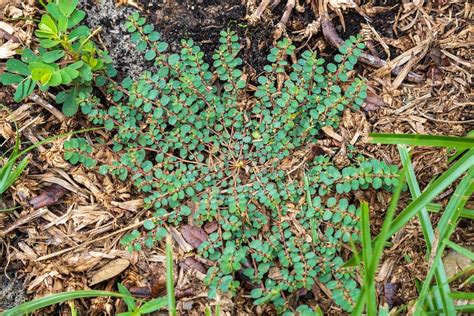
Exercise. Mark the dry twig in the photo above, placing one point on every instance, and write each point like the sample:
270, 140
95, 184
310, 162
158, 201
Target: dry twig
331, 35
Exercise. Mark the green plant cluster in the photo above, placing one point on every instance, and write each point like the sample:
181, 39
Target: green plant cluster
66, 56
200, 141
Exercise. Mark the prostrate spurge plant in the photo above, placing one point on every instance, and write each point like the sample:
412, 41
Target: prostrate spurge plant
200, 141
66, 57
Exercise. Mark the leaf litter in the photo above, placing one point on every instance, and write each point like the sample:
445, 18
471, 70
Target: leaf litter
74, 244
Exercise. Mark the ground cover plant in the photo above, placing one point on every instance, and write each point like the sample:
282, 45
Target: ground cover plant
237, 164
186, 138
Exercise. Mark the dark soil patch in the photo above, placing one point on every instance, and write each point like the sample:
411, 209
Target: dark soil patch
12, 291
201, 21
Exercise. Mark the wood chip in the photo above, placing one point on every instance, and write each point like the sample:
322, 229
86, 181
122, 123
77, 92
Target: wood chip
110, 270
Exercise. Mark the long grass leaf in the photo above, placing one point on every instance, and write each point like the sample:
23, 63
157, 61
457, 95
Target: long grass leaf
461, 250
169, 277
370, 293
428, 233
446, 227
423, 140
49, 300
433, 190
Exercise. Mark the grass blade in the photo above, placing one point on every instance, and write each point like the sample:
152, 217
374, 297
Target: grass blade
433, 190
424, 218
369, 286
423, 140
461, 250
371, 261
446, 227
169, 277
49, 300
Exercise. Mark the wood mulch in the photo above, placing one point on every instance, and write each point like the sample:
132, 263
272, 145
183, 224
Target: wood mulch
65, 233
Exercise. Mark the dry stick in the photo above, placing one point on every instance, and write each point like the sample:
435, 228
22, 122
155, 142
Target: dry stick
258, 13
331, 35
286, 15
43, 103
274, 4
281, 26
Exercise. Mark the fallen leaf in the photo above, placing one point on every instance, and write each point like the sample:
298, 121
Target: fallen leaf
329, 131
211, 227
373, 102
342, 4
110, 270
191, 263
49, 196
193, 235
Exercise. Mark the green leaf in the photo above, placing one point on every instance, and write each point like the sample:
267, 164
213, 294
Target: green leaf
66, 7
24, 89
153, 305
70, 105
18, 67
162, 46
149, 224
52, 56
56, 79
47, 25
150, 55
127, 297
173, 59
9, 79
75, 18
48, 43
28, 55
78, 32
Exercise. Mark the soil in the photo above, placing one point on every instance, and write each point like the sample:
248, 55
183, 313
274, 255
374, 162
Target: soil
201, 21
12, 291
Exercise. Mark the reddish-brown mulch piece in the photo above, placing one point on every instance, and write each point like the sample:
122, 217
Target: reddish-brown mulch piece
48, 197
194, 235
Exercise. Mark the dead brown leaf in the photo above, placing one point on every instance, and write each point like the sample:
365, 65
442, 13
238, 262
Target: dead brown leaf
110, 270
211, 227
49, 196
191, 263
194, 235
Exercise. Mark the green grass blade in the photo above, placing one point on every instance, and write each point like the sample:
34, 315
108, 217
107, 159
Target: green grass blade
372, 260
49, 300
153, 305
468, 296
467, 213
446, 227
461, 250
467, 309
423, 140
367, 255
443, 286
169, 277
433, 190
14, 175
49, 139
